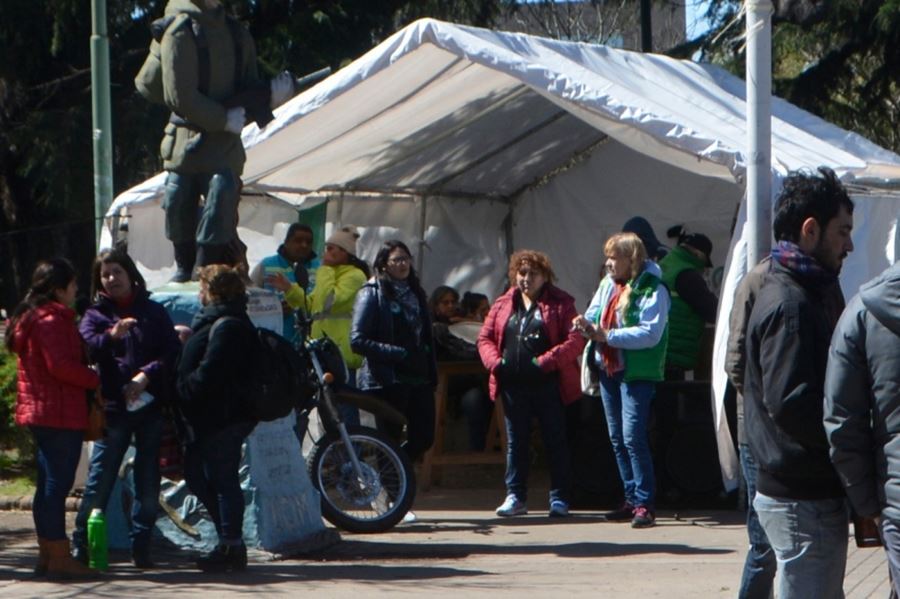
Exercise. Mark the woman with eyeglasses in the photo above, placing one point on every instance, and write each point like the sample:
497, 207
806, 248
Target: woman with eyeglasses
531, 351
392, 331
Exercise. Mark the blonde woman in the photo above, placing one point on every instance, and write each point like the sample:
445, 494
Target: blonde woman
627, 322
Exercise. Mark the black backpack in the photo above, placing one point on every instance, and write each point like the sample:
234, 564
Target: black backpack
278, 377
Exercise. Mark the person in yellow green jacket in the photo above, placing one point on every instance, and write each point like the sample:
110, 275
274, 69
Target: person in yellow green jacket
330, 303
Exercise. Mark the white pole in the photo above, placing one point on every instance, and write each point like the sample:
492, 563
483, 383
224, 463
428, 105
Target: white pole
759, 128
420, 258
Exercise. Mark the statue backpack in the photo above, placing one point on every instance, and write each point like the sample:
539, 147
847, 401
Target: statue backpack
148, 81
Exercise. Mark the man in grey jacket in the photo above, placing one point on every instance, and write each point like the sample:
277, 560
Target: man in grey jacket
862, 407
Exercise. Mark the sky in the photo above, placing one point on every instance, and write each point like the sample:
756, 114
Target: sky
694, 10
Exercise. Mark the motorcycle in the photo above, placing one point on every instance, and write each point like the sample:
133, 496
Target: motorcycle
366, 481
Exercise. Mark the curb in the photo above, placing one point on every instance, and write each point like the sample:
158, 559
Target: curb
24, 503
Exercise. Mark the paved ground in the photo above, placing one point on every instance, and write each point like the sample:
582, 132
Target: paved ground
459, 546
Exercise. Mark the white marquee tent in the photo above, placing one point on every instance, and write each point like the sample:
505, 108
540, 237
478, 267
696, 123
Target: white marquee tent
468, 143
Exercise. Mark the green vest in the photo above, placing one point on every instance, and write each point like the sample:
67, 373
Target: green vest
641, 364
686, 324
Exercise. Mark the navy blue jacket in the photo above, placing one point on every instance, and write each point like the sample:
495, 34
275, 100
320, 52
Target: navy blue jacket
372, 337
150, 346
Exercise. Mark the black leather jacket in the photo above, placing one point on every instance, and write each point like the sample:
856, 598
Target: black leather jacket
372, 336
787, 350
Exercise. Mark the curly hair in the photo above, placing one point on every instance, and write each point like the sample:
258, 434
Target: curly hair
223, 283
806, 195
627, 245
536, 259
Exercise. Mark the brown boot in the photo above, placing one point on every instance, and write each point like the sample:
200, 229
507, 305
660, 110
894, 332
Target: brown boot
41, 568
62, 566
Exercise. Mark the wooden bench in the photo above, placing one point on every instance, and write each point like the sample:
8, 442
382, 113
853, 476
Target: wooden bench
435, 456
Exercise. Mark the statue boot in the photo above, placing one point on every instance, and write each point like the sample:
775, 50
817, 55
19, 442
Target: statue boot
209, 253
185, 254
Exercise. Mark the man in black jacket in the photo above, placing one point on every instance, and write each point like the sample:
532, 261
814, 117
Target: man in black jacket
799, 499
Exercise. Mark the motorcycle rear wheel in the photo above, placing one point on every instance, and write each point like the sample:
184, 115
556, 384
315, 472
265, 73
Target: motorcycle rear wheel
378, 501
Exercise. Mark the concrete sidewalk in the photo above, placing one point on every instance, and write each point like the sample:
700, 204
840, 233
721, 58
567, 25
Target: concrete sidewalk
460, 546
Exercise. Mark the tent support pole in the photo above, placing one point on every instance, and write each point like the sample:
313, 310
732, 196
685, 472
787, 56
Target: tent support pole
101, 112
420, 258
339, 209
759, 128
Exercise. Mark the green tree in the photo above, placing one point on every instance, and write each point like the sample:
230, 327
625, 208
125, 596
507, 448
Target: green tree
839, 60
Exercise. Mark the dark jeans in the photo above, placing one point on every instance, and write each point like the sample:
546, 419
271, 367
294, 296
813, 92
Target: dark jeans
760, 565
146, 427
58, 451
477, 407
520, 405
217, 223
211, 466
349, 413
416, 402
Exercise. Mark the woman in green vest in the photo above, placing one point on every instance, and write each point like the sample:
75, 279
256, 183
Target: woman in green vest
627, 325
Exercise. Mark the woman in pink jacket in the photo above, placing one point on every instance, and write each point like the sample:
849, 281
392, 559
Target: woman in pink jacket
531, 351
51, 401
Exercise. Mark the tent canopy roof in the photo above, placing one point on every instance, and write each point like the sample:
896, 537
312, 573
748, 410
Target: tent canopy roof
443, 109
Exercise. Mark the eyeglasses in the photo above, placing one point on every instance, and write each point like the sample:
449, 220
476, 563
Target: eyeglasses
399, 260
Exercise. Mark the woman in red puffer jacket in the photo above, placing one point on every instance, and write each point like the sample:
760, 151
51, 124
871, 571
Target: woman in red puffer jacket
51, 402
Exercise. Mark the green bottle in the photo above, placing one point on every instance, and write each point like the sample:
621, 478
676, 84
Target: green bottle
97, 546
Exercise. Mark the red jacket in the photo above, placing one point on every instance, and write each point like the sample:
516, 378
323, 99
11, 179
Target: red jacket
557, 311
52, 376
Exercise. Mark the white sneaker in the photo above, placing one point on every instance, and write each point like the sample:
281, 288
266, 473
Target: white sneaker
559, 509
410, 517
512, 507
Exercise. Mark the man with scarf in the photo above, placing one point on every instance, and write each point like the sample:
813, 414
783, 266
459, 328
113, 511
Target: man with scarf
799, 498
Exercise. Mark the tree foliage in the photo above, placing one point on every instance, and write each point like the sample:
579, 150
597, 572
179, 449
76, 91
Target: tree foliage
838, 59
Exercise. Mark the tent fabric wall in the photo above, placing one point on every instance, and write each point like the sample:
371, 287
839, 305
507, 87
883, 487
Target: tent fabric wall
462, 245
594, 199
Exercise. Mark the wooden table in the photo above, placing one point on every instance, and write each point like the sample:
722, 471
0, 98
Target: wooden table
496, 429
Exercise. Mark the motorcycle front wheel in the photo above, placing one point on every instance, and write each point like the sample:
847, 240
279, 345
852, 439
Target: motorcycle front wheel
376, 498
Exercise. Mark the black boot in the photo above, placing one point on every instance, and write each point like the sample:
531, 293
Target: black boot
224, 558
140, 557
185, 253
212, 254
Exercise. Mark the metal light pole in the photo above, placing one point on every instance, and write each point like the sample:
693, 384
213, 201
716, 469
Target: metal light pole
101, 112
646, 27
759, 128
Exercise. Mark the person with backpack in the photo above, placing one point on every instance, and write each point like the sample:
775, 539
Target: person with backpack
200, 60
214, 384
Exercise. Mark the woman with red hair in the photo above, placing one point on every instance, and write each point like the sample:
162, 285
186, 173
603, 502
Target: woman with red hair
531, 351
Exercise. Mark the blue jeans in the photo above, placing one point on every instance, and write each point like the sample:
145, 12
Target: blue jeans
890, 535
810, 542
216, 222
211, 466
627, 407
759, 567
58, 451
146, 426
520, 405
